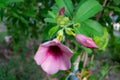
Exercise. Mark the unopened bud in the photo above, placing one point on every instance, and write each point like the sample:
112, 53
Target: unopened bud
69, 31
60, 35
76, 25
61, 11
85, 41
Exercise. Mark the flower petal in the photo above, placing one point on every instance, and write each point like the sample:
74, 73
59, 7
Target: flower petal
66, 50
41, 55
53, 56
51, 43
64, 62
50, 65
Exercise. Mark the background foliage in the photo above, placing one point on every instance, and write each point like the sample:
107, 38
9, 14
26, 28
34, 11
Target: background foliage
31, 22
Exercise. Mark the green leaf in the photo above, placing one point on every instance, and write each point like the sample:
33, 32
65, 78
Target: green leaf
102, 41
88, 50
87, 10
55, 9
15, 14
1, 14
117, 9
29, 13
68, 6
97, 29
89, 27
117, 2
80, 3
51, 14
24, 20
21, 18
117, 40
50, 20
3, 4
14, 1
52, 31
80, 65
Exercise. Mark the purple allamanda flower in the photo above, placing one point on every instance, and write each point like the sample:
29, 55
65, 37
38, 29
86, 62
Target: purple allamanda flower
85, 41
53, 56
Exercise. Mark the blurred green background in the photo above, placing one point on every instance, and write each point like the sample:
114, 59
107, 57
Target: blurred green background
22, 22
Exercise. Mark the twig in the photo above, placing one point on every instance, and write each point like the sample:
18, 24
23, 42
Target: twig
85, 59
104, 3
98, 16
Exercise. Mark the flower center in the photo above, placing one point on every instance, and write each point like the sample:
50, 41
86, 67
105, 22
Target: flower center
55, 50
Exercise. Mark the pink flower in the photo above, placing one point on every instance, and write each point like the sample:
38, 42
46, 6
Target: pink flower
53, 56
85, 41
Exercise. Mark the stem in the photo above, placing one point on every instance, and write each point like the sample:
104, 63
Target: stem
92, 57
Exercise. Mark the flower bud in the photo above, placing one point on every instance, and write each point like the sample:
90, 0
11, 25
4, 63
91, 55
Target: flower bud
69, 31
85, 41
76, 25
60, 35
61, 11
